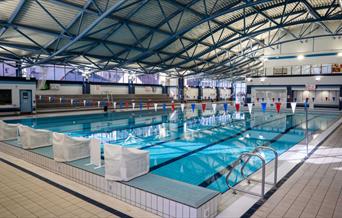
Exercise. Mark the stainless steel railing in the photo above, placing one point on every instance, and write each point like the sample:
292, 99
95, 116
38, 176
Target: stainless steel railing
244, 160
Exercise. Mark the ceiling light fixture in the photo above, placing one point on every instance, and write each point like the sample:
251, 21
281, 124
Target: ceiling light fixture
300, 57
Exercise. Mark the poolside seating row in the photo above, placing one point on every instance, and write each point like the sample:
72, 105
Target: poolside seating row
121, 164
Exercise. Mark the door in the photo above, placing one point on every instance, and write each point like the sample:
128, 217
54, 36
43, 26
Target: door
25, 101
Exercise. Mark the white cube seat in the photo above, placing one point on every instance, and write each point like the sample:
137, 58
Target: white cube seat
34, 138
124, 164
8, 131
67, 148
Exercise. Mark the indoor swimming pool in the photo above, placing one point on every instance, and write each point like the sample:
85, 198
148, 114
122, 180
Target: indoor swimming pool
193, 147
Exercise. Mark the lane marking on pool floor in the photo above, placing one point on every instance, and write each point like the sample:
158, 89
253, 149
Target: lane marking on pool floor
155, 167
225, 170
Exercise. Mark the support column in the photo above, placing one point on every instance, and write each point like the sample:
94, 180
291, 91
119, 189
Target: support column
200, 93
181, 88
289, 96
18, 72
232, 97
86, 87
131, 87
218, 94
340, 99
249, 94
165, 90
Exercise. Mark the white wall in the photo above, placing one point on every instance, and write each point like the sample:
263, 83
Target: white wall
62, 89
173, 92
190, 93
266, 94
298, 80
16, 86
209, 93
148, 90
108, 89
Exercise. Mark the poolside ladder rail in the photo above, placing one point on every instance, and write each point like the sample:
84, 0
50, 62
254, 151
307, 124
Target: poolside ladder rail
245, 158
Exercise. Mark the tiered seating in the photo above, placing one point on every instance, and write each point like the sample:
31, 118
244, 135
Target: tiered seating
45, 102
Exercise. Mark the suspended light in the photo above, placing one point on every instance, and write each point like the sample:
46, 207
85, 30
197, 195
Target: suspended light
249, 79
339, 54
262, 79
318, 78
300, 57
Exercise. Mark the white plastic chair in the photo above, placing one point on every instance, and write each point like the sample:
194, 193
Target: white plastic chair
8, 131
34, 138
95, 152
66, 148
124, 164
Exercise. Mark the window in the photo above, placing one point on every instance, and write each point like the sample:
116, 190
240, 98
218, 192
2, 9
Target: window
240, 91
306, 69
9, 70
326, 68
5, 96
316, 69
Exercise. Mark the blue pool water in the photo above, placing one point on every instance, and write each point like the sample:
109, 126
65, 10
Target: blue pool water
191, 147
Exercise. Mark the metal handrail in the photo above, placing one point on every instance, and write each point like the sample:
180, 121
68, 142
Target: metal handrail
275, 161
249, 155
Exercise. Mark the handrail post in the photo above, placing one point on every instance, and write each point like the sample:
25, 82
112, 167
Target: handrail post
306, 129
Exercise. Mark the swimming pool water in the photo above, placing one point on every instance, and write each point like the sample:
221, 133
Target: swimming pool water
191, 147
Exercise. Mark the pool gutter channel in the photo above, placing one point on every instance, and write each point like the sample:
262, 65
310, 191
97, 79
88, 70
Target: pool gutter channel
244, 205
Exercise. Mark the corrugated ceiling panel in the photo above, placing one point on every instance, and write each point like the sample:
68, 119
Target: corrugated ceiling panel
7, 8
39, 18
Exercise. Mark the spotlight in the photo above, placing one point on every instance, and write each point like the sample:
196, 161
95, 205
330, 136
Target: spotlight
318, 78
262, 79
339, 54
300, 57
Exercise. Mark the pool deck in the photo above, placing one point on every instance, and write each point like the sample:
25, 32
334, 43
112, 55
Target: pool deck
315, 189
24, 195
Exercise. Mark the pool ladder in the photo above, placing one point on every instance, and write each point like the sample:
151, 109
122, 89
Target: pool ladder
245, 158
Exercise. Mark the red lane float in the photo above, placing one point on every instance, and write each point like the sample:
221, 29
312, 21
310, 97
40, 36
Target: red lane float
173, 106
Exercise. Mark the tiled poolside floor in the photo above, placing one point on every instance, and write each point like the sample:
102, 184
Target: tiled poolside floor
315, 189
22, 195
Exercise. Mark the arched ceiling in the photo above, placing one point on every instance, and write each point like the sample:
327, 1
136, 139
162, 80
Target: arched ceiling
213, 38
